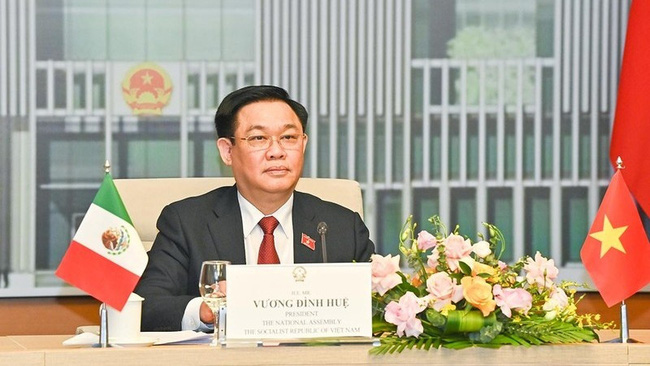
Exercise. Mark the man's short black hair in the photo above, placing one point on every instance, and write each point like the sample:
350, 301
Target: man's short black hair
224, 119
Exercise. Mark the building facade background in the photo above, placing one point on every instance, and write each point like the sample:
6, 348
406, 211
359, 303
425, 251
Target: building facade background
496, 111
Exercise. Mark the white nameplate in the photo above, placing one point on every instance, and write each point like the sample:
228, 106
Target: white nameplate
298, 301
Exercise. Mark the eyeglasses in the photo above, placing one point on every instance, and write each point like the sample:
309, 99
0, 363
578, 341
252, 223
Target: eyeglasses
287, 141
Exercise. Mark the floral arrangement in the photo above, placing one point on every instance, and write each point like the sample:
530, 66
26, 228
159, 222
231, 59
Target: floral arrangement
460, 294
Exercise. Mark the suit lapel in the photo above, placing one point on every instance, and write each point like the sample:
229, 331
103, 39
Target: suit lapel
304, 222
226, 229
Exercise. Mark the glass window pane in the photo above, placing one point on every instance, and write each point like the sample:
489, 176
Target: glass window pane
474, 156
323, 167
538, 221
417, 151
126, 27
153, 159
547, 148
379, 147
361, 156
529, 147
425, 205
454, 147
491, 147
584, 148
342, 150
85, 30
463, 211
71, 161
68, 163
212, 165
203, 26
574, 230
61, 214
510, 148
49, 30
238, 37
501, 214
435, 146
165, 30
390, 222
397, 151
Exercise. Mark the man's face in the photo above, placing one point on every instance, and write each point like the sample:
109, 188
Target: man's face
272, 170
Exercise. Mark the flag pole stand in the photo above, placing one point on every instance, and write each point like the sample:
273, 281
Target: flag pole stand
625, 330
103, 327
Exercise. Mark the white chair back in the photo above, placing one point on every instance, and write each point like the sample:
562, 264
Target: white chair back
145, 198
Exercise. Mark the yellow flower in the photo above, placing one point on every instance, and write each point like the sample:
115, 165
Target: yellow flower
478, 293
447, 308
417, 281
479, 268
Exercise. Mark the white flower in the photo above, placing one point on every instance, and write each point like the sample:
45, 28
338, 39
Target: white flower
557, 301
482, 249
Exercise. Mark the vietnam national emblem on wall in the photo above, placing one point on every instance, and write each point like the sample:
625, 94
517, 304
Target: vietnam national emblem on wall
147, 89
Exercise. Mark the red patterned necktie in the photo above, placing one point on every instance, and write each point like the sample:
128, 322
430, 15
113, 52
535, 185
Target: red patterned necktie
267, 254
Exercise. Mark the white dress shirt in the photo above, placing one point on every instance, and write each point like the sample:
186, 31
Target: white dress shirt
253, 235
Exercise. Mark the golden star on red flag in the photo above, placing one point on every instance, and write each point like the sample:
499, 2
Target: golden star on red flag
610, 237
616, 251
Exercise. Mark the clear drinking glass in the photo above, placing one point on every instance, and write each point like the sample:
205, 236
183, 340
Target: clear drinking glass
212, 286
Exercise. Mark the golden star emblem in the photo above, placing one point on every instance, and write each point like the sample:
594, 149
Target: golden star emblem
609, 237
146, 78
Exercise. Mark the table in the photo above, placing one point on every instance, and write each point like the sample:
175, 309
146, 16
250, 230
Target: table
47, 350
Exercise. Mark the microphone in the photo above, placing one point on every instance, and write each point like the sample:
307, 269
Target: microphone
322, 230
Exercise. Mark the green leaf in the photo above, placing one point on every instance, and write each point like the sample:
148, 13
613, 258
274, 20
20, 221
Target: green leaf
465, 268
457, 276
380, 326
519, 339
405, 287
435, 318
503, 339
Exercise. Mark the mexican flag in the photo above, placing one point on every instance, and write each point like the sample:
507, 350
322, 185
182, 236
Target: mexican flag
106, 257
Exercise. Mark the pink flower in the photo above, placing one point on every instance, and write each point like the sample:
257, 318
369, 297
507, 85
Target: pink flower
512, 298
384, 273
403, 314
432, 259
456, 248
482, 249
502, 265
444, 290
540, 271
426, 240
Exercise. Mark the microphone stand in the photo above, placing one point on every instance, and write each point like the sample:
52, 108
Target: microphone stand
322, 230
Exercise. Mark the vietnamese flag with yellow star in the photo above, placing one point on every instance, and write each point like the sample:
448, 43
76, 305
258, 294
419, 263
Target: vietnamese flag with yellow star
616, 252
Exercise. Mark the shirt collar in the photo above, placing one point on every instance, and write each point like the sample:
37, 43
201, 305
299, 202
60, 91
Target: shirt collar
251, 216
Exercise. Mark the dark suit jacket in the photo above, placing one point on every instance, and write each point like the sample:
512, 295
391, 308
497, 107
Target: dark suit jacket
209, 227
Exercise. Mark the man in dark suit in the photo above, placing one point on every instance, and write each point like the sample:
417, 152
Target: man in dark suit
261, 135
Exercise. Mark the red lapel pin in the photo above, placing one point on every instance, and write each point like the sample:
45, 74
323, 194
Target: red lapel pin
307, 241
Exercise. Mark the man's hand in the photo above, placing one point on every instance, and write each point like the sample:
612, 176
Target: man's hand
206, 314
